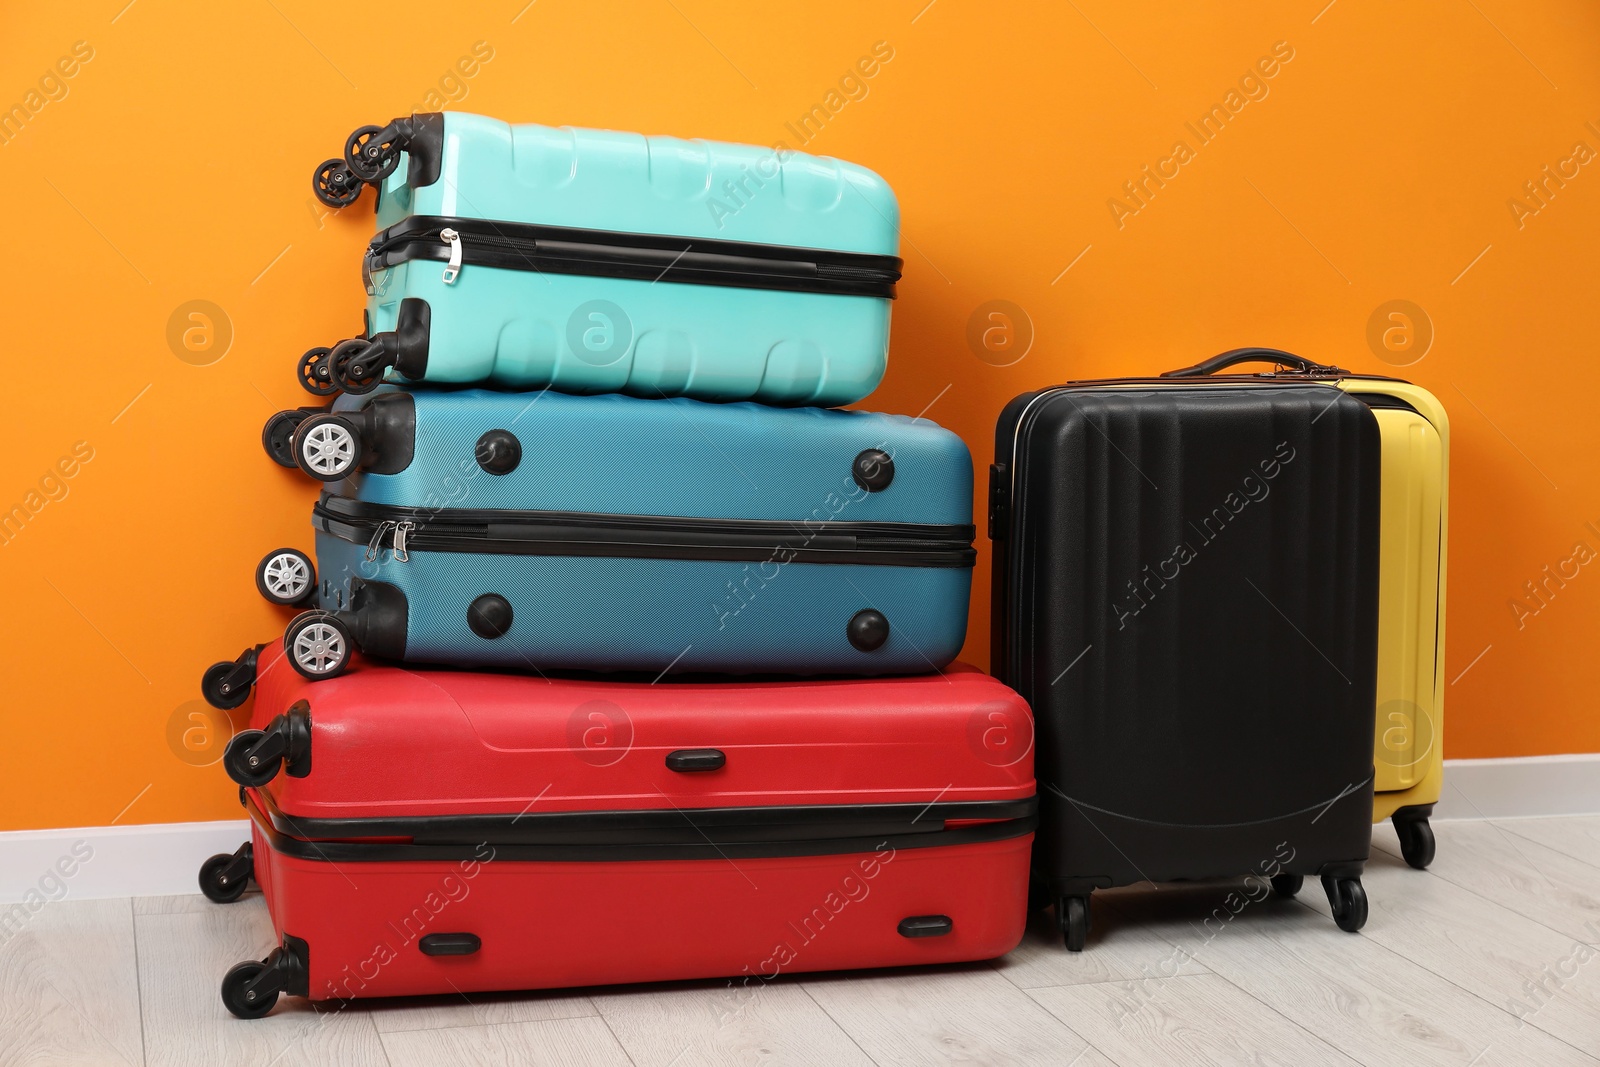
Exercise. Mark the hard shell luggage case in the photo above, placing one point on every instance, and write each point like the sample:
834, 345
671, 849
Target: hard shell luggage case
539, 531
1409, 745
598, 261
1186, 590
450, 832
1408, 755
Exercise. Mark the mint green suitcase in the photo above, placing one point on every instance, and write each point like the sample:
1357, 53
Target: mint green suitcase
594, 261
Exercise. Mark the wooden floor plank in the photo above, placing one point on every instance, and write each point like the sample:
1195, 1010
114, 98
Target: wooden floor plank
1546, 979
69, 990
726, 1024
1118, 951
1351, 991
394, 1014
1577, 836
942, 1016
182, 958
583, 1042
1531, 879
1193, 1019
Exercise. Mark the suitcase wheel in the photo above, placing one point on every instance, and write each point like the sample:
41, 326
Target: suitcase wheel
1348, 900
357, 366
316, 373
224, 877
1416, 839
372, 152
326, 446
1287, 885
335, 183
249, 768
250, 989
277, 436
226, 685
319, 644
286, 576
1073, 915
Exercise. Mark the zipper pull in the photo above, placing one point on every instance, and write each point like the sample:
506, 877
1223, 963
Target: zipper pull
401, 531
375, 545
453, 270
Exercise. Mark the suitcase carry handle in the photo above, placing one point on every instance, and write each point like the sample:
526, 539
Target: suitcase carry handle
1287, 360
696, 759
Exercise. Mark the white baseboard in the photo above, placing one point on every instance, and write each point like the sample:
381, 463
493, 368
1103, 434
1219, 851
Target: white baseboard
1520, 787
95, 862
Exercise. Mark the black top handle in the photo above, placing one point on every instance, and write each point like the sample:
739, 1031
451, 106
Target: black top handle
1285, 360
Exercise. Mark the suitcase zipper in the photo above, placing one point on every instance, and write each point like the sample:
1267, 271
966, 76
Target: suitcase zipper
639, 256
452, 270
557, 533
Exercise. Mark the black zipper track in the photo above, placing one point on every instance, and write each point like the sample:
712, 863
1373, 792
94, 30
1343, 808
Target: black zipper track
588, 534
637, 256
654, 826
858, 839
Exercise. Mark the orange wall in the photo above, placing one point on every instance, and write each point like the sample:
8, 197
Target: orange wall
1378, 167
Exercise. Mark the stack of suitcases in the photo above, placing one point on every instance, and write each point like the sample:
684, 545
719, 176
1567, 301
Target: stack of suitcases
623, 656
702, 719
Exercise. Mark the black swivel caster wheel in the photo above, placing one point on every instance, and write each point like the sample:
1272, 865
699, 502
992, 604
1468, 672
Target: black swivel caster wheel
286, 576
358, 365
315, 373
277, 436
1416, 841
245, 767
371, 160
224, 877
1348, 900
335, 184
327, 447
245, 994
217, 691
1287, 885
1073, 915
319, 645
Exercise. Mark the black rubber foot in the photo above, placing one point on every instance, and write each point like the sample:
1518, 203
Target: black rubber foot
1287, 885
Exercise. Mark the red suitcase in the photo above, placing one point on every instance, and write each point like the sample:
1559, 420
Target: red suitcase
435, 831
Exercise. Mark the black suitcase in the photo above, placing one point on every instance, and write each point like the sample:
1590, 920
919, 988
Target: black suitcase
1186, 591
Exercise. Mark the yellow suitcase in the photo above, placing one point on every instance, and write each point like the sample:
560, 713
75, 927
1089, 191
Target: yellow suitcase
1407, 752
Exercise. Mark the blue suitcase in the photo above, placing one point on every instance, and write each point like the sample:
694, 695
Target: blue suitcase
533, 531
602, 262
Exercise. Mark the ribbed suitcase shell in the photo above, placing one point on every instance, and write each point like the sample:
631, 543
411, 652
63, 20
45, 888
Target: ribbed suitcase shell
415, 749
513, 327
617, 455
1185, 587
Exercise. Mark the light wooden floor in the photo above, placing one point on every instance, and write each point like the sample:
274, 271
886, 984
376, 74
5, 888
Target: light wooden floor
1484, 960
